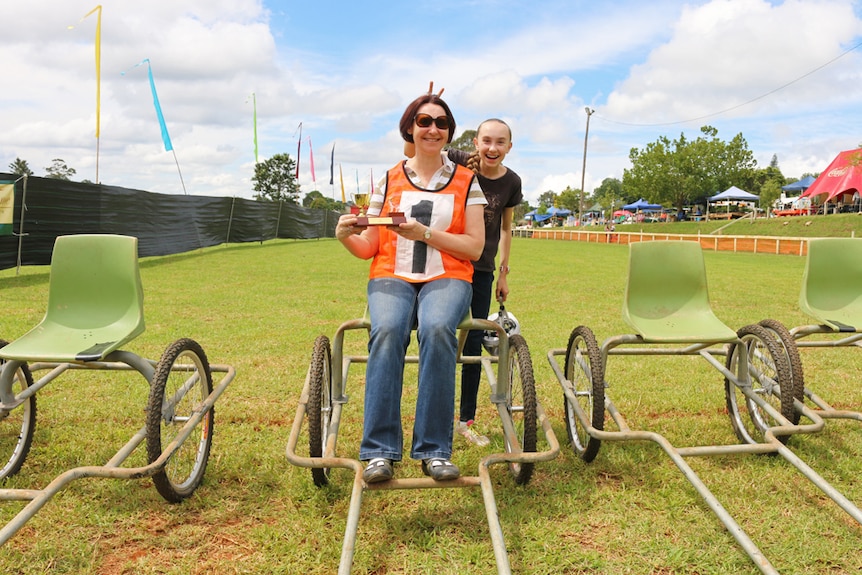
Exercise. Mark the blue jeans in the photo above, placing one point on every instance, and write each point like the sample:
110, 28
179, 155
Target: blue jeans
471, 373
395, 306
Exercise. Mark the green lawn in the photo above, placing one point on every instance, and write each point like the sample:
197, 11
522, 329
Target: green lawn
260, 307
835, 225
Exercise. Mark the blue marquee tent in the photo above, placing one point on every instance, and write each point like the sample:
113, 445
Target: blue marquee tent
642, 204
800, 185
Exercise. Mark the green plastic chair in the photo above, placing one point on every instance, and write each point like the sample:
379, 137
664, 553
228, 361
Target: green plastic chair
832, 283
95, 302
666, 297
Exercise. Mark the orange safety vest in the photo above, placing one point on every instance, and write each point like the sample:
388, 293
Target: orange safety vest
443, 209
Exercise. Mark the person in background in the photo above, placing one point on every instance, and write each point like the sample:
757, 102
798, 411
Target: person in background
420, 275
502, 188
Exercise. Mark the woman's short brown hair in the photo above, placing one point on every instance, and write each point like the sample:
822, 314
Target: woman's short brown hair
413, 108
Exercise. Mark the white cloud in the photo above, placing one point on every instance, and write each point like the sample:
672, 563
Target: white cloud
727, 53
347, 74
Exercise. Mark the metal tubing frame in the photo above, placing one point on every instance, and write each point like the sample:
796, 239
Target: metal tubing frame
677, 455
118, 360
483, 480
848, 339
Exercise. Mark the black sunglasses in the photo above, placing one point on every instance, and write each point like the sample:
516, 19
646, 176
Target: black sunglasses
425, 120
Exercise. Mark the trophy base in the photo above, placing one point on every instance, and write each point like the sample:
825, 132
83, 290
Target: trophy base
393, 219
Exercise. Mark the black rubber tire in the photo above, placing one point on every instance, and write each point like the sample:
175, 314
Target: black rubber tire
521, 406
186, 467
18, 427
318, 410
585, 371
771, 366
791, 351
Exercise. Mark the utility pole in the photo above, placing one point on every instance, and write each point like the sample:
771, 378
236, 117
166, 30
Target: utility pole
589, 112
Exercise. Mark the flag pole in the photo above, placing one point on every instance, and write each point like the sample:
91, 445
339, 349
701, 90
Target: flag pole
179, 171
254, 103
98, 9
166, 138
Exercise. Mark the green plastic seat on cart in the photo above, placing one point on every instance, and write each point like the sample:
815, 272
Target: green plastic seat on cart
666, 297
832, 283
95, 302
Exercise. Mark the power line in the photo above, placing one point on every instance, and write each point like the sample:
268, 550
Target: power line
782, 87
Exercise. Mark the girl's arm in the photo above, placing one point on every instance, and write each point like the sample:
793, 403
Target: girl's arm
505, 245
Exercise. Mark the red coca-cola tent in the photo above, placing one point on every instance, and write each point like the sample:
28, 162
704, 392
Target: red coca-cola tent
843, 176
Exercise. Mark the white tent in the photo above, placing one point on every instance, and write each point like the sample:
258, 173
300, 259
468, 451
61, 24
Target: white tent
732, 193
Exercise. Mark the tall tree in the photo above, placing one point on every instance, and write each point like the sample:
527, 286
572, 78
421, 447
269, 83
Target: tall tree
569, 199
610, 193
521, 209
464, 142
546, 200
318, 201
767, 183
20, 168
58, 170
274, 179
682, 171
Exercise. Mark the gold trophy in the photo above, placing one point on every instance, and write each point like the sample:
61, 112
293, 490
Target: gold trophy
360, 204
393, 218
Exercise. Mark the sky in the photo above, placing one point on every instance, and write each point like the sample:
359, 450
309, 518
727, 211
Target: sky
786, 75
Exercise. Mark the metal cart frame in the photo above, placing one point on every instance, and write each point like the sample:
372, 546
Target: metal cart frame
325, 393
95, 308
669, 309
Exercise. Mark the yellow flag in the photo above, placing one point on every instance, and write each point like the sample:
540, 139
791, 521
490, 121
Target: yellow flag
98, 64
341, 177
7, 200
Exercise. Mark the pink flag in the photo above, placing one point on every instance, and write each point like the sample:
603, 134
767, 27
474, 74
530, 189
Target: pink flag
311, 155
298, 145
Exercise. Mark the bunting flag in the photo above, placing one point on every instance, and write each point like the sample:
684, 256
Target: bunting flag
311, 157
98, 9
332, 167
341, 177
166, 138
254, 104
298, 145
7, 207
371, 188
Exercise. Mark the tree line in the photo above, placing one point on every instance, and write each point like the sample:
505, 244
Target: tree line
58, 169
680, 173
674, 173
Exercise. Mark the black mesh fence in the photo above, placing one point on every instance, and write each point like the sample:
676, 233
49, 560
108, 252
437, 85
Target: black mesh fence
163, 223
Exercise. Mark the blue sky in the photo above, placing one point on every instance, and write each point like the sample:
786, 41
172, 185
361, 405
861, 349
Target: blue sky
787, 75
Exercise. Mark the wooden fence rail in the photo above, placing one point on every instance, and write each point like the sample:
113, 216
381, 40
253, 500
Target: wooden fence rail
751, 244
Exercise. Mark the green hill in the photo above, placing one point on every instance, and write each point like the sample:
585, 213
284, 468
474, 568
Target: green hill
836, 225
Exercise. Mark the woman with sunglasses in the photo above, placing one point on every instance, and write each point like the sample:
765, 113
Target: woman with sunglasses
421, 275
502, 188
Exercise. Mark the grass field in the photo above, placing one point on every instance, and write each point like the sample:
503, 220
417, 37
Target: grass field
260, 306
834, 225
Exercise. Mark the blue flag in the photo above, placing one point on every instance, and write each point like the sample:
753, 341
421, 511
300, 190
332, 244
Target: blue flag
165, 137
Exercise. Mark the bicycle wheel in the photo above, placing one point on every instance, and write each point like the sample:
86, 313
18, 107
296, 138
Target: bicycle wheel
770, 379
318, 409
18, 426
585, 372
181, 384
521, 406
791, 352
